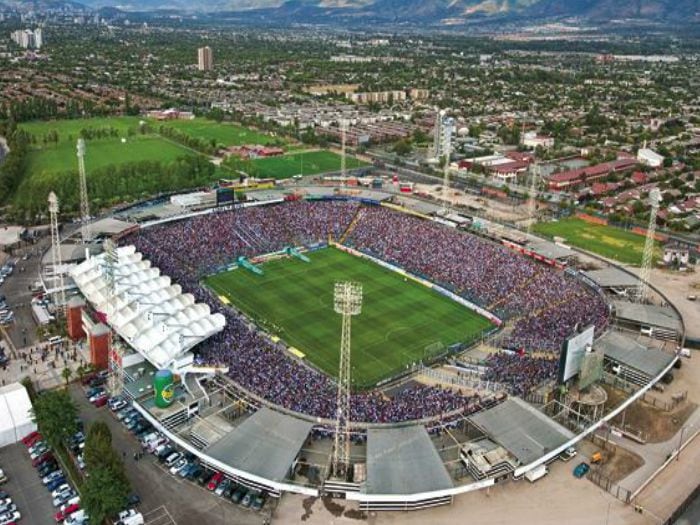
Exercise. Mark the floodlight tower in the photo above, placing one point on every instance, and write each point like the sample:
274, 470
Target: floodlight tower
116, 351
343, 130
532, 204
59, 294
648, 256
446, 174
84, 203
437, 132
347, 302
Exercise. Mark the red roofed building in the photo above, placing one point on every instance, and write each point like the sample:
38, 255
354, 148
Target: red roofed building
639, 178
566, 180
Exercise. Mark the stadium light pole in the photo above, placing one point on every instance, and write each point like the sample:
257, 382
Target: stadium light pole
347, 302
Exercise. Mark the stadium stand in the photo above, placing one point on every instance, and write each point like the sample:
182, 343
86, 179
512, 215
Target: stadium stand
543, 303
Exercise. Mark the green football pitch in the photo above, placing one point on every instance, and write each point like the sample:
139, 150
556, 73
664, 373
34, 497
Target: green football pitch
401, 322
611, 242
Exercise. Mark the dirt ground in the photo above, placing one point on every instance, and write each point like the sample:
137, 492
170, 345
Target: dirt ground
656, 424
619, 463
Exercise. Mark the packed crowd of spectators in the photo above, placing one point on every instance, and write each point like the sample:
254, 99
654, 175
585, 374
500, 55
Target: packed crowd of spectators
546, 305
484, 272
520, 372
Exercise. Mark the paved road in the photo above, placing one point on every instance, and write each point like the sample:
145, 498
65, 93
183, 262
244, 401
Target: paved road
166, 500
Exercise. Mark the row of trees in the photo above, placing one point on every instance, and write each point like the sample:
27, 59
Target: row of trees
208, 147
13, 166
105, 488
111, 184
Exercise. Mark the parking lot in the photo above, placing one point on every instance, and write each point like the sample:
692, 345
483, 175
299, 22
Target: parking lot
165, 499
32, 498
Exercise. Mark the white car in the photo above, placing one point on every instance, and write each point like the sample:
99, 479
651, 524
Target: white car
61, 488
172, 459
63, 497
75, 500
77, 518
10, 517
180, 463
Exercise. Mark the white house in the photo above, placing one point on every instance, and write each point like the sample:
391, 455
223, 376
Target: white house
650, 158
531, 139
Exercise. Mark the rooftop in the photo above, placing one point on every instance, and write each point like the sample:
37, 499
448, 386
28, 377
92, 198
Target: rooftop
403, 461
266, 444
521, 429
629, 352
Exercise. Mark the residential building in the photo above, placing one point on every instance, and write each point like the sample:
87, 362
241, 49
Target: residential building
650, 158
205, 59
28, 39
531, 139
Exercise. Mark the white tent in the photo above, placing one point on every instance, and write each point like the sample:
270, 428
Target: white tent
15, 414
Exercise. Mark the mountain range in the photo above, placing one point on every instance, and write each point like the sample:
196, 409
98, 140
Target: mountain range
429, 11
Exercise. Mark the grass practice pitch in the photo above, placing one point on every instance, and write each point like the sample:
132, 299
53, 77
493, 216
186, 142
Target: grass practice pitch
301, 163
399, 318
611, 242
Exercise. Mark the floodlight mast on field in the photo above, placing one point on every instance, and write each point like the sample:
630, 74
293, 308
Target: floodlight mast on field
84, 203
347, 302
59, 294
648, 256
343, 130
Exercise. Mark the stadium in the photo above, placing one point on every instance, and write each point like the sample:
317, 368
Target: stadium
459, 356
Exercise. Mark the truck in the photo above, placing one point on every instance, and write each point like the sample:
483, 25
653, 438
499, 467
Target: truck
536, 473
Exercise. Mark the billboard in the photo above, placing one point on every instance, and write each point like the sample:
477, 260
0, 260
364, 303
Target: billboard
225, 196
572, 352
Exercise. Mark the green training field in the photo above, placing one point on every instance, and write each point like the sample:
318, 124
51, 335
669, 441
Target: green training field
302, 163
222, 132
101, 153
611, 242
399, 318
69, 130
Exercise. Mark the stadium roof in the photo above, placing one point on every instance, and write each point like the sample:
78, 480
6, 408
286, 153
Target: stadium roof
612, 278
521, 429
549, 250
266, 444
630, 353
149, 312
403, 461
648, 314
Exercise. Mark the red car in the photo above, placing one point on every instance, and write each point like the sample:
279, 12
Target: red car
31, 438
215, 480
100, 401
42, 459
63, 514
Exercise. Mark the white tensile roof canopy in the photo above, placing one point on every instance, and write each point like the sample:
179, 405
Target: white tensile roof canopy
145, 308
15, 414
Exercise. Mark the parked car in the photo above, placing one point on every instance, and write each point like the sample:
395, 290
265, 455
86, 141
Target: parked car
47, 456
258, 501
64, 487
10, 517
3, 477
39, 450
100, 401
204, 477
195, 473
581, 470
63, 497
219, 491
247, 499
53, 485
178, 465
52, 476
238, 494
215, 480
31, 438
65, 511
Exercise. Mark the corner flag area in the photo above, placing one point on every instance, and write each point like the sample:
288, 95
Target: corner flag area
402, 322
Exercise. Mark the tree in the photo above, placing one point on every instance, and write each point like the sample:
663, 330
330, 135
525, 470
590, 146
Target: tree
104, 494
66, 373
402, 147
55, 414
